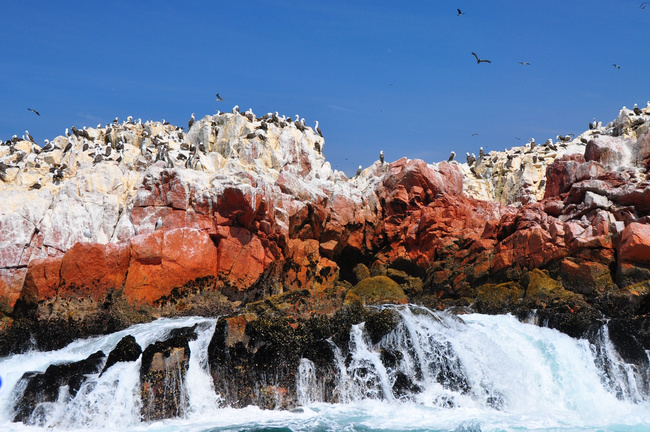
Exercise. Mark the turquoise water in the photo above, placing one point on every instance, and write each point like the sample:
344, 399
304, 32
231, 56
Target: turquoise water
543, 380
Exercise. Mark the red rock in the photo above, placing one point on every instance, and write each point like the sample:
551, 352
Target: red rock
92, 269
635, 244
165, 260
241, 257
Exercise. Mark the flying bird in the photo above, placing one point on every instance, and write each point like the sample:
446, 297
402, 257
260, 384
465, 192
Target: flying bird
616, 66
460, 13
34, 111
219, 98
524, 63
642, 6
478, 60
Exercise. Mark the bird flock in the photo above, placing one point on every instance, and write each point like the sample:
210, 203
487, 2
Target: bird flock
142, 143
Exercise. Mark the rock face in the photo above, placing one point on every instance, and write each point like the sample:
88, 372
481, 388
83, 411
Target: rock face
162, 376
47, 386
242, 216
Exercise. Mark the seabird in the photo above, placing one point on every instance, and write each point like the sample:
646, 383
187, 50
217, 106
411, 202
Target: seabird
593, 125
29, 137
637, 110
219, 98
470, 159
478, 60
36, 185
318, 129
451, 156
48, 146
190, 123
564, 138
616, 66
481, 153
642, 6
460, 13
88, 234
532, 143
235, 109
158, 224
524, 63
381, 156
359, 171
317, 146
34, 111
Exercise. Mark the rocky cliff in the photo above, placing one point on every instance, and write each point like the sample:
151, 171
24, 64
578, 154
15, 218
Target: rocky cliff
243, 216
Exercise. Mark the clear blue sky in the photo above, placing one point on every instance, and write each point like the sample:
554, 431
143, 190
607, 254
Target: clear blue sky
391, 75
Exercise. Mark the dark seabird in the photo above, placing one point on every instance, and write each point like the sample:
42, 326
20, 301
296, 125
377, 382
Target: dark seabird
524, 63
158, 224
190, 123
36, 185
67, 147
251, 135
478, 60
219, 98
29, 137
317, 146
460, 13
48, 146
34, 111
593, 125
470, 159
637, 110
616, 66
381, 156
359, 171
451, 156
642, 6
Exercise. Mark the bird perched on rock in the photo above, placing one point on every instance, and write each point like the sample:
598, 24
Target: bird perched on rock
593, 125
359, 171
318, 129
470, 159
36, 185
190, 122
451, 156
158, 224
29, 137
637, 110
381, 156
532, 143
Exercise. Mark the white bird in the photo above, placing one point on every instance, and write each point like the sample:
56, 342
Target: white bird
381, 156
158, 224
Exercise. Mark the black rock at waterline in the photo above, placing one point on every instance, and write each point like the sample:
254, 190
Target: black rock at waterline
162, 376
45, 386
126, 350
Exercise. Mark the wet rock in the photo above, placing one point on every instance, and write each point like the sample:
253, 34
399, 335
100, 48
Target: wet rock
58, 381
126, 350
162, 377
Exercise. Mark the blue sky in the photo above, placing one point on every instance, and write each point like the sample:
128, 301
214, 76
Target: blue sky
391, 75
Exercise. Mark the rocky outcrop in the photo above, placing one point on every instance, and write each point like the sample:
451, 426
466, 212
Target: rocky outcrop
162, 376
242, 216
60, 381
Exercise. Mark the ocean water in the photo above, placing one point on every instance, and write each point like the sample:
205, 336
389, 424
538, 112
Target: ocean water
475, 373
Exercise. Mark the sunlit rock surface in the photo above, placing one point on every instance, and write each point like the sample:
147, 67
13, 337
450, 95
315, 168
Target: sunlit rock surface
128, 221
